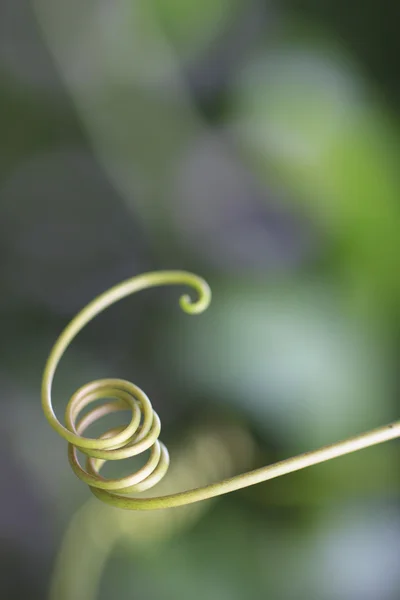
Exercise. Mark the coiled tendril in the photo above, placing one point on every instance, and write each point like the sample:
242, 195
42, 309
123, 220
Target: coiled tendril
142, 432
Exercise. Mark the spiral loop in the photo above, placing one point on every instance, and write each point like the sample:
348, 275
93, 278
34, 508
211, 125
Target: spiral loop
142, 432
139, 435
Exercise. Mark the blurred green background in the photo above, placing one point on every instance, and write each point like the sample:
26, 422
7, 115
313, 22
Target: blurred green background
255, 143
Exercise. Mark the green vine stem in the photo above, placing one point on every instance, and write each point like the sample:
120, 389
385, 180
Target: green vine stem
143, 430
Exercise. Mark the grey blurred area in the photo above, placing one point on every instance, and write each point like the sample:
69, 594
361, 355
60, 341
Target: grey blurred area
256, 144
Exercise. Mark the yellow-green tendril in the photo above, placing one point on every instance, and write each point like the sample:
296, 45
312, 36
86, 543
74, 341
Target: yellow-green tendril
142, 432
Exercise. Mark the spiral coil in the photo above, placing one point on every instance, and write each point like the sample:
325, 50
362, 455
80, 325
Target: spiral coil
142, 432
139, 435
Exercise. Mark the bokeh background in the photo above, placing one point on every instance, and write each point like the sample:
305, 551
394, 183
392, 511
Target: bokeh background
256, 143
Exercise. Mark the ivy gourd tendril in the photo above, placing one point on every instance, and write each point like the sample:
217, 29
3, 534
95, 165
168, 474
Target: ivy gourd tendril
143, 430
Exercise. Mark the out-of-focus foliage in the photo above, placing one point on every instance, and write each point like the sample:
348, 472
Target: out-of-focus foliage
191, 27
311, 121
295, 357
211, 451
255, 143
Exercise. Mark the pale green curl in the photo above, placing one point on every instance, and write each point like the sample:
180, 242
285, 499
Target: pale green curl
142, 431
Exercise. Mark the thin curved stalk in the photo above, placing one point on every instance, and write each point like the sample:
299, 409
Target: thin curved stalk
142, 432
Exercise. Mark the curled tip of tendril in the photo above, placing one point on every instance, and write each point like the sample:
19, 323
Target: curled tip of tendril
195, 307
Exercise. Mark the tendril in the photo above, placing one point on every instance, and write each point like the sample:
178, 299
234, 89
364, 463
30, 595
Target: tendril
142, 432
